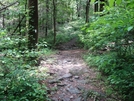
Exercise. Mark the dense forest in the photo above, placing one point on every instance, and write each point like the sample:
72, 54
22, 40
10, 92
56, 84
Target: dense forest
30, 29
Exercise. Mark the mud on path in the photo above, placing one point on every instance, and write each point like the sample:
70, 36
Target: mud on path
71, 79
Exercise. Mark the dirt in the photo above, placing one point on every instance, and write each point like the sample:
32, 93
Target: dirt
71, 79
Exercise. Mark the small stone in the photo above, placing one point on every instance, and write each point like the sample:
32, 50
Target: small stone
61, 96
71, 97
61, 84
60, 78
65, 99
76, 77
73, 90
68, 85
82, 81
68, 60
71, 80
80, 87
78, 99
54, 99
67, 76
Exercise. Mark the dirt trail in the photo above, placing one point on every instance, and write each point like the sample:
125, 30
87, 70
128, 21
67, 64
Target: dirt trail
71, 79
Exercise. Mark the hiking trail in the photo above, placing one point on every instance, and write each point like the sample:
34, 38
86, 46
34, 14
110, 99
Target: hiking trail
70, 78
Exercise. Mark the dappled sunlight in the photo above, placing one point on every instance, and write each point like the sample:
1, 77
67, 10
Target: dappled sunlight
67, 27
42, 72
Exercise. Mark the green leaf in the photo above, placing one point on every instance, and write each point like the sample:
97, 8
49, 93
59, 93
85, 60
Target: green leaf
111, 3
130, 28
92, 1
118, 2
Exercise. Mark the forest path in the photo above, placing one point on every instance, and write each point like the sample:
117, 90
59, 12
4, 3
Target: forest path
71, 79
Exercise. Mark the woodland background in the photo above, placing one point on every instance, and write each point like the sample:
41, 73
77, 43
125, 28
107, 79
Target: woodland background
32, 28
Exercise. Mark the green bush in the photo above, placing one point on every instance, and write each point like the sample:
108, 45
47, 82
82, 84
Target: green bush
111, 35
105, 63
19, 80
13, 43
19, 85
18, 75
119, 72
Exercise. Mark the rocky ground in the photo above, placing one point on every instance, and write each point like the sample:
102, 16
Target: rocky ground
71, 79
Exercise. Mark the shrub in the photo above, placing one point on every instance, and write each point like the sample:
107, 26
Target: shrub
18, 75
119, 72
19, 81
113, 32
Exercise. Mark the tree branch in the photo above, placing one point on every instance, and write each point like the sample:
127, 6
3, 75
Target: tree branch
18, 25
2, 4
8, 6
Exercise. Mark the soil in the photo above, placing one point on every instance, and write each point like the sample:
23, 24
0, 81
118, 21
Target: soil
70, 78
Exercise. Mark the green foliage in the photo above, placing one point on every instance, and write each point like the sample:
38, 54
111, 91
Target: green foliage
13, 42
65, 33
2, 33
18, 75
19, 80
60, 38
113, 33
120, 72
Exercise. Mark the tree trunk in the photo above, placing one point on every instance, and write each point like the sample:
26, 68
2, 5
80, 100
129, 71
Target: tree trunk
3, 22
54, 19
87, 11
99, 6
47, 16
33, 24
78, 4
96, 6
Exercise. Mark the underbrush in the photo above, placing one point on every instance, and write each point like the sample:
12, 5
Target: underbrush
60, 39
19, 75
119, 72
110, 40
65, 33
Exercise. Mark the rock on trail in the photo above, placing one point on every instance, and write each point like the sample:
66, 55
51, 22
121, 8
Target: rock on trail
70, 77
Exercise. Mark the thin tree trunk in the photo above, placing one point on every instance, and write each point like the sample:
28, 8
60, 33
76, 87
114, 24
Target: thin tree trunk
78, 8
99, 5
54, 19
96, 6
87, 11
47, 16
3, 22
25, 20
33, 24
19, 23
